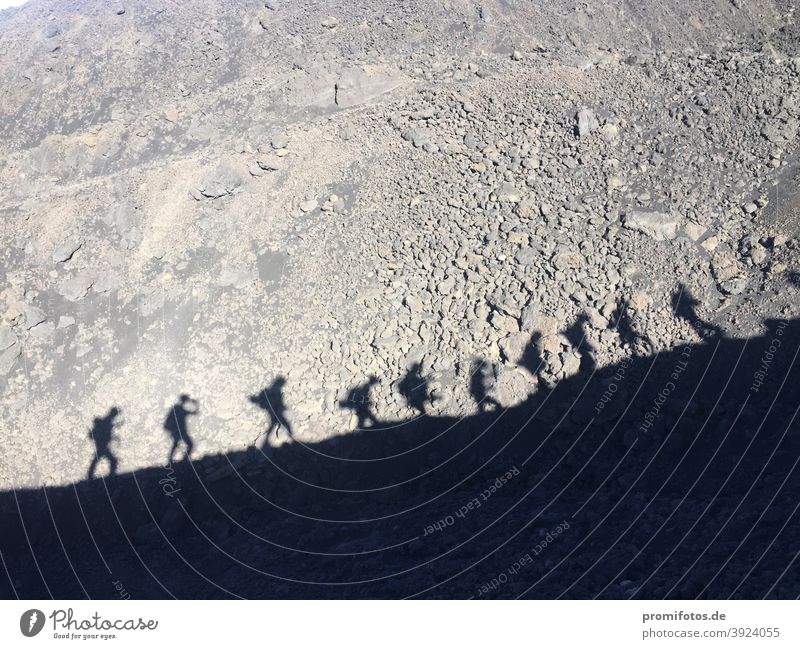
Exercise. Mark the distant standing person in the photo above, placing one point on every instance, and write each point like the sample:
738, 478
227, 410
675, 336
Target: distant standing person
102, 434
175, 425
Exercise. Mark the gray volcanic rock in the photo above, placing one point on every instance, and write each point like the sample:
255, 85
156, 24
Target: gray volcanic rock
586, 122
660, 226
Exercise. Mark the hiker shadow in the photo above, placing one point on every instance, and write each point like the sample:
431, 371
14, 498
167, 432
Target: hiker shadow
102, 434
481, 382
176, 425
271, 400
414, 387
359, 400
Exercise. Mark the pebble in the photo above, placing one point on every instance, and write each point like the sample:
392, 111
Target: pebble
308, 205
280, 141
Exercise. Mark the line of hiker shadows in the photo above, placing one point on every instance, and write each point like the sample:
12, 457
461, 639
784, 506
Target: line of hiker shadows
413, 387
676, 472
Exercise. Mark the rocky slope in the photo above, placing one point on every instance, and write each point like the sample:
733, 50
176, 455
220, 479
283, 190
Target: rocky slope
365, 206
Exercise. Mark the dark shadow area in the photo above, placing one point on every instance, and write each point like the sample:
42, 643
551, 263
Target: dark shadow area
665, 476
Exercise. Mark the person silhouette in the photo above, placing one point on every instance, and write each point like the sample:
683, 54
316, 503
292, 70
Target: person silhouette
358, 400
175, 425
270, 400
414, 389
102, 434
480, 382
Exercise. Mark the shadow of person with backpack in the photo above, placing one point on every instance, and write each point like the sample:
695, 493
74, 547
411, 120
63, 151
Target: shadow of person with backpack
102, 434
175, 425
270, 400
